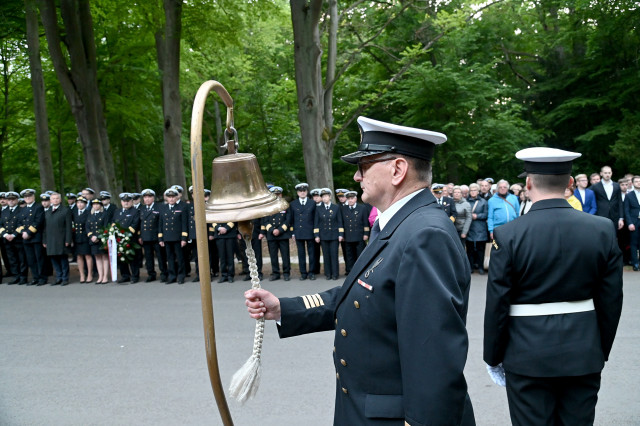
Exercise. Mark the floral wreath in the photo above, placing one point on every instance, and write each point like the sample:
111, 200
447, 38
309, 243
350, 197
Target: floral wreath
124, 240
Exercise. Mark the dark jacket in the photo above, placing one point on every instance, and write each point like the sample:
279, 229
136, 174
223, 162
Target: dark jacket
9, 222
79, 225
129, 219
632, 210
231, 227
174, 223
611, 209
554, 253
478, 229
327, 223
280, 221
302, 218
94, 225
356, 223
150, 222
32, 222
57, 234
399, 318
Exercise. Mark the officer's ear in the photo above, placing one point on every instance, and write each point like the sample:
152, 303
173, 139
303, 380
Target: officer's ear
528, 183
400, 170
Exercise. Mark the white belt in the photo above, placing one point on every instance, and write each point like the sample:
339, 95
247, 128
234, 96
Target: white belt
555, 308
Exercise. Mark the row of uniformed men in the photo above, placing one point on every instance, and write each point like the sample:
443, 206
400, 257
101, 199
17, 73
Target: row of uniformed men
317, 225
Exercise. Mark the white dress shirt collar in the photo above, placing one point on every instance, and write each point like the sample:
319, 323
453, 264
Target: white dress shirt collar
385, 217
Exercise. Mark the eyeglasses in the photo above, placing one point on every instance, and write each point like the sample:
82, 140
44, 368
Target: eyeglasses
361, 169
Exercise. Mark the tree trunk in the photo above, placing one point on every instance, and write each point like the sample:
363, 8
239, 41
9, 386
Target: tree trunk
47, 180
4, 127
168, 50
305, 17
79, 85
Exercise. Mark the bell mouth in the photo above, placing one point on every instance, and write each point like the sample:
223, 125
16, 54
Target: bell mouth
238, 191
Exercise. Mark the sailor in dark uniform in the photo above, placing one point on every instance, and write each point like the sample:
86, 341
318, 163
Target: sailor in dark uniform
172, 234
129, 218
400, 342
31, 227
71, 201
214, 259
109, 209
136, 200
302, 214
94, 226
356, 229
81, 247
277, 230
341, 196
554, 298
149, 225
9, 223
317, 249
328, 231
226, 236
3, 249
446, 203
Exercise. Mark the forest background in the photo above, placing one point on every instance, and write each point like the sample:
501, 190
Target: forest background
99, 93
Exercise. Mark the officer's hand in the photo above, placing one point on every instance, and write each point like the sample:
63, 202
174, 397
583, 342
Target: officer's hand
44, 245
210, 237
340, 238
497, 374
293, 237
262, 304
276, 232
222, 230
365, 238
140, 241
261, 236
183, 243
317, 239
66, 244
161, 243
632, 227
620, 224
25, 236
463, 236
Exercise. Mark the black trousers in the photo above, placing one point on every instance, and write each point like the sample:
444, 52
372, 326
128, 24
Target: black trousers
226, 248
303, 247
129, 270
240, 250
17, 262
151, 252
35, 256
256, 245
353, 250
475, 253
316, 258
175, 260
634, 243
214, 259
282, 246
553, 401
189, 251
330, 254
5, 256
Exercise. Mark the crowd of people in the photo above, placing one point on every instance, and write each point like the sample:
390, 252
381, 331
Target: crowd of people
41, 237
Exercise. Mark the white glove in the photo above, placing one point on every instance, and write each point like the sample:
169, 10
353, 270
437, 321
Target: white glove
497, 374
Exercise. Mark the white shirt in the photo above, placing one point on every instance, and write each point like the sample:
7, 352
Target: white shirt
303, 201
385, 217
608, 188
583, 195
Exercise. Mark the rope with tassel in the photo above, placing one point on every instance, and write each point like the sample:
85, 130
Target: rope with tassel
245, 381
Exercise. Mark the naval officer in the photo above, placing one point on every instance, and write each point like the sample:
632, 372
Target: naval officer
554, 297
399, 318
302, 215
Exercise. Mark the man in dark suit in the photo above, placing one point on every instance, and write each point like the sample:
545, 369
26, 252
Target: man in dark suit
399, 318
149, 225
550, 324
277, 230
445, 203
632, 217
328, 230
356, 229
109, 209
9, 222
31, 227
302, 216
57, 238
173, 231
128, 218
609, 198
585, 195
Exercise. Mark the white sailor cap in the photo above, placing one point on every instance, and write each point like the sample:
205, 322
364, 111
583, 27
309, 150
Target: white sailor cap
325, 191
136, 195
341, 192
27, 192
12, 194
171, 192
148, 191
314, 191
105, 194
437, 187
350, 194
302, 187
126, 196
71, 195
546, 161
276, 189
377, 137
89, 190
178, 188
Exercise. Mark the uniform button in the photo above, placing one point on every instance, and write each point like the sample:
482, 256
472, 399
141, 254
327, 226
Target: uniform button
344, 390
356, 304
337, 375
343, 332
336, 320
334, 349
343, 362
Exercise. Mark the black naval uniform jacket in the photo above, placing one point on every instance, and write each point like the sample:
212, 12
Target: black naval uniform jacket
109, 214
149, 222
129, 219
399, 318
280, 221
302, 218
174, 223
79, 225
449, 207
327, 223
553, 254
356, 223
32, 222
9, 222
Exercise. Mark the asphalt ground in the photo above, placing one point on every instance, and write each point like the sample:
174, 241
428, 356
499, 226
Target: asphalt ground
134, 354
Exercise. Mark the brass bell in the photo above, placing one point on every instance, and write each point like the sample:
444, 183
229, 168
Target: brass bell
238, 191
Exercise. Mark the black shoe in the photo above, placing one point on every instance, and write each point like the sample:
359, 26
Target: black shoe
150, 278
260, 276
334, 278
181, 281
123, 280
312, 277
15, 281
247, 278
58, 281
481, 271
34, 282
274, 277
303, 277
230, 279
222, 279
287, 277
195, 279
135, 280
163, 279
171, 281
635, 267
22, 281
215, 275
65, 283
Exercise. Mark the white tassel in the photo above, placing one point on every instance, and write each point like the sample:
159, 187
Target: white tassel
245, 381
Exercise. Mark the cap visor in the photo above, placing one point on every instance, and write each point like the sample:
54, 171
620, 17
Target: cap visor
354, 157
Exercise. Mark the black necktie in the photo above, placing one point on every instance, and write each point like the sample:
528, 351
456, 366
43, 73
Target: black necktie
374, 231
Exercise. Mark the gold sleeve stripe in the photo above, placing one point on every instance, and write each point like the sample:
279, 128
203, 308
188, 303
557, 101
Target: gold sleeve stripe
340, 229
89, 234
316, 299
211, 228
285, 227
366, 228
1, 229
263, 228
19, 229
268, 227
133, 231
230, 224
306, 302
160, 235
316, 229
214, 224
185, 234
320, 299
32, 229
